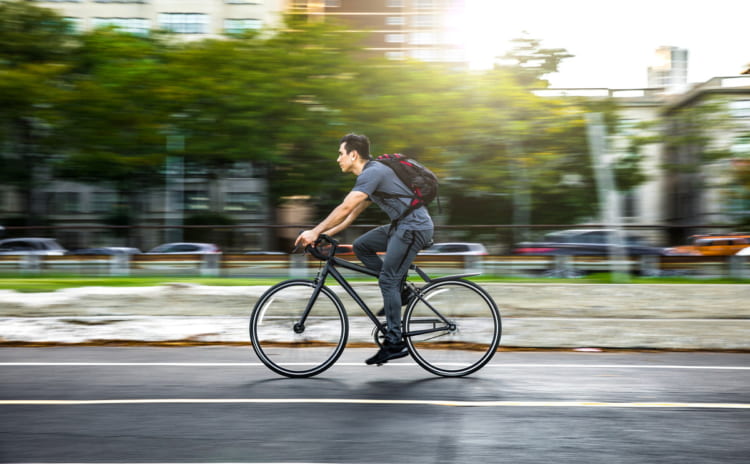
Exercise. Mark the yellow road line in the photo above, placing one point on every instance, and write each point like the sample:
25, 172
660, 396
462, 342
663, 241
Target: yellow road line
527, 404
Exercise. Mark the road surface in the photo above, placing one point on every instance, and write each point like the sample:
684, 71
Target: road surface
219, 404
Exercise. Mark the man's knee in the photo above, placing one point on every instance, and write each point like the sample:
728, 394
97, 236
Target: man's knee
389, 282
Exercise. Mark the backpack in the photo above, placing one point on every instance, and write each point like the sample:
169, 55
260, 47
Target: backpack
421, 181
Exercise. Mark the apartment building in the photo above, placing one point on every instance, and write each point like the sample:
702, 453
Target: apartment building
709, 195
193, 19
398, 29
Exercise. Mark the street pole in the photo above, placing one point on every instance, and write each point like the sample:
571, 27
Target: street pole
173, 191
609, 205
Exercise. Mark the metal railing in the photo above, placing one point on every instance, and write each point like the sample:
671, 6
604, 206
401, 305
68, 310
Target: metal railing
298, 265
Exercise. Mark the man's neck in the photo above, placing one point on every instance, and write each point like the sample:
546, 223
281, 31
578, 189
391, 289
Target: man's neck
359, 166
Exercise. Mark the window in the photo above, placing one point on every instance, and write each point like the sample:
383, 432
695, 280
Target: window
423, 38
238, 26
395, 55
395, 38
244, 202
65, 202
103, 202
395, 21
333, 3
184, 23
132, 25
423, 20
629, 204
425, 54
395, 3
424, 4
740, 108
196, 200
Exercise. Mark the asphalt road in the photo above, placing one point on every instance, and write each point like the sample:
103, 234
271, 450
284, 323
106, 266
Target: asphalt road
218, 404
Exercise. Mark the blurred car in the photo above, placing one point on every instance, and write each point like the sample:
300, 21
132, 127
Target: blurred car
105, 251
344, 250
456, 248
712, 245
31, 246
586, 242
264, 253
744, 252
185, 248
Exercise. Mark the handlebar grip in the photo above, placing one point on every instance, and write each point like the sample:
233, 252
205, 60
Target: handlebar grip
315, 250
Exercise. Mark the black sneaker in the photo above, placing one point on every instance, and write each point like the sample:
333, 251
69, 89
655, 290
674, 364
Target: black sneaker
387, 352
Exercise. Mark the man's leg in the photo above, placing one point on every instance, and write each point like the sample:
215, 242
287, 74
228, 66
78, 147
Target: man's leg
369, 244
403, 247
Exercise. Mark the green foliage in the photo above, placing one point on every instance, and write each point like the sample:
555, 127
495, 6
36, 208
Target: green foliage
528, 62
111, 102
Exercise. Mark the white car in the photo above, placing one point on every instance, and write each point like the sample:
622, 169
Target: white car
31, 246
185, 248
456, 248
744, 252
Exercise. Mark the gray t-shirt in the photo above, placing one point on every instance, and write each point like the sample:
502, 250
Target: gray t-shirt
377, 177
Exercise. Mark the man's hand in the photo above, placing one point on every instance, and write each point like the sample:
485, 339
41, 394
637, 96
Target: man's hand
307, 237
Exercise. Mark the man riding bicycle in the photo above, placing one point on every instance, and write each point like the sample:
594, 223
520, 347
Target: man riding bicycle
401, 240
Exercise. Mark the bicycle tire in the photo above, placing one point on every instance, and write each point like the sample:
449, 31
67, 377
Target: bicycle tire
289, 349
463, 345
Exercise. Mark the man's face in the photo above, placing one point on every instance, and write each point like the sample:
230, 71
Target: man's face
346, 160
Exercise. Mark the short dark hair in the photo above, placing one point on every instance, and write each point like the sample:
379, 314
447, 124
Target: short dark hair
356, 142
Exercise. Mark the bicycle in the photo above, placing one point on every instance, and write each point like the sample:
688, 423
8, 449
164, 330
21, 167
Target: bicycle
299, 327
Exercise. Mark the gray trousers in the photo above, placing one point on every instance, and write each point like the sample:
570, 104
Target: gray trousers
400, 247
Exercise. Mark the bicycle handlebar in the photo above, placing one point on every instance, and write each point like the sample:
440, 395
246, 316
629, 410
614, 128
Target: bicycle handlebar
314, 249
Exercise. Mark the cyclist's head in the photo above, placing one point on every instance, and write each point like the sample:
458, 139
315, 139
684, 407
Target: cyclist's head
356, 142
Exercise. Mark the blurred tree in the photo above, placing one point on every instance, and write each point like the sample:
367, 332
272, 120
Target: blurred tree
117, 113
528, 62
271, 99
33, 60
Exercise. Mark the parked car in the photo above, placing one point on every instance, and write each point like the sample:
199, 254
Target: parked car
712, 245
456, 248
586, 242
31, 246
185, 248
105, 251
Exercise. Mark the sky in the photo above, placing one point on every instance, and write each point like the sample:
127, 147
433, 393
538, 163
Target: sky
614, 41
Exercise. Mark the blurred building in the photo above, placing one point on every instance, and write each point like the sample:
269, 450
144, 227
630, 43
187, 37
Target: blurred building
687, 185
702, 188
83, 213
669, 70
193, 19
398, 29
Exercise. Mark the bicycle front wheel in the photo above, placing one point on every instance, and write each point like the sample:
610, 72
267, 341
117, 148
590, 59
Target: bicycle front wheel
453, 328
297, 333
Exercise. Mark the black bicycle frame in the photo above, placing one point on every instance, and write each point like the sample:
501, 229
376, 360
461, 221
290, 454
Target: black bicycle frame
331, 261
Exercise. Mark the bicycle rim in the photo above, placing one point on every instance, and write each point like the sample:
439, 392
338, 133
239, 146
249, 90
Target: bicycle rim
463, 344
283, 344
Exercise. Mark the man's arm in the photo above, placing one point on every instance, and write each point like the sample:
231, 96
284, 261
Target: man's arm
339, 219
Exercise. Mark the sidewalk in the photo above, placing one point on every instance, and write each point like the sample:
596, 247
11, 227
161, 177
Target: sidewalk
683, 317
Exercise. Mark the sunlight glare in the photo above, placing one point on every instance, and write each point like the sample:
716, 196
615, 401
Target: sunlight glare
478, 28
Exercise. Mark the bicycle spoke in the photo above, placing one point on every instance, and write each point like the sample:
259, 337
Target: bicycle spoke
289, 340
471, 334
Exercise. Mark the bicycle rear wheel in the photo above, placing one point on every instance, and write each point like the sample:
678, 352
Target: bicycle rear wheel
289, 345
453, 328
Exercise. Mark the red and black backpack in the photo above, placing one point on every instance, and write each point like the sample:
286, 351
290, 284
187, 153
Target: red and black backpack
421, 181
